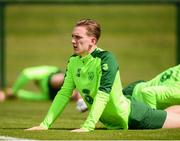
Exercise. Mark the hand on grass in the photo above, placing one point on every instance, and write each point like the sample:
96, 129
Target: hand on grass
80, 130
36, 128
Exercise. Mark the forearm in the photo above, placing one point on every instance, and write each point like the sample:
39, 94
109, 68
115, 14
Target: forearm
19, 83
96, 111
55, 110
29, 95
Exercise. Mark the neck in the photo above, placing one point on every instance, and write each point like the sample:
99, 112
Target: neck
92, 49
89, 51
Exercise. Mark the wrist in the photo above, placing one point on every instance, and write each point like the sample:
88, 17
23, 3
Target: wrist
86, 129
43, 126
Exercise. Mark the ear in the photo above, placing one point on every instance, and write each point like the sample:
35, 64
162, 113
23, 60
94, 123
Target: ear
94, 40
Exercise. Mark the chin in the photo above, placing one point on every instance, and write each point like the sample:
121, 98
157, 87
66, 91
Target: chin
77, 53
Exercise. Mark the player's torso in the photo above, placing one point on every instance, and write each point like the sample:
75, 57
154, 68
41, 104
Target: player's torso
86, 76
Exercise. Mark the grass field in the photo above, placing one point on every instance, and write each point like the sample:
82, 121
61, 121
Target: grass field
141, 37
18, 115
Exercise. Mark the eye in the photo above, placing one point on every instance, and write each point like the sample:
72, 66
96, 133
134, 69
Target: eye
76, 37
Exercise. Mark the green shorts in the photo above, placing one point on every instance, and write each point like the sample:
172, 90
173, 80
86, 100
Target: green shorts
143, 116
128, 90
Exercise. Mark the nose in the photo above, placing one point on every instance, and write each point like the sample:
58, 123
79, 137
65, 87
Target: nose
73, 40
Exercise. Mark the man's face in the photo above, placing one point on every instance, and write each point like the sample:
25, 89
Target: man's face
81, 42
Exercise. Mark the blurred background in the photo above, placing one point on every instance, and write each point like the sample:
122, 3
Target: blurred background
142, 37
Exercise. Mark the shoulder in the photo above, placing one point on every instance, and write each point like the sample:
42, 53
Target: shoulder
103, 54
72, 58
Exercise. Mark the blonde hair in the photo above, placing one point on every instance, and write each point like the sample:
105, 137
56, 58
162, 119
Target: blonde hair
93, 28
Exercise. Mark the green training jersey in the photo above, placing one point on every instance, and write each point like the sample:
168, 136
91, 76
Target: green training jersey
162, 91
96, 76
40, 75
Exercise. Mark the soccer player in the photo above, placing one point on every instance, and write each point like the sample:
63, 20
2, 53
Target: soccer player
160, 92
95, 74
48, 79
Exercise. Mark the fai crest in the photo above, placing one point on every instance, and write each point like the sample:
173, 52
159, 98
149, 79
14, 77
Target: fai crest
90, 75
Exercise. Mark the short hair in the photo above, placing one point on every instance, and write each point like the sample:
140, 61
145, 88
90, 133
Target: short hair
93, 28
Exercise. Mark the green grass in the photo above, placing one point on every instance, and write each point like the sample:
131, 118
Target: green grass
142, 37
17, 115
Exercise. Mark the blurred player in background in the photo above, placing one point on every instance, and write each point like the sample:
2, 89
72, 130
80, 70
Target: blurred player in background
160, 92
95, 74
48, 79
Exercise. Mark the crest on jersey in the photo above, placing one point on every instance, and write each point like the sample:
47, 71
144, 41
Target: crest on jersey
90, 75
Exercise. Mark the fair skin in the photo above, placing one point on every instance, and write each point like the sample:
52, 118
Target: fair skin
81, 42
2, 96
57, 80
173, 117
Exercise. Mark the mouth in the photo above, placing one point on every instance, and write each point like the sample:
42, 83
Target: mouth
75, 47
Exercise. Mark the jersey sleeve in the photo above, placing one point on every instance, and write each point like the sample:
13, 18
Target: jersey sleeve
30, 95
61, 99
109, 69
96, 111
